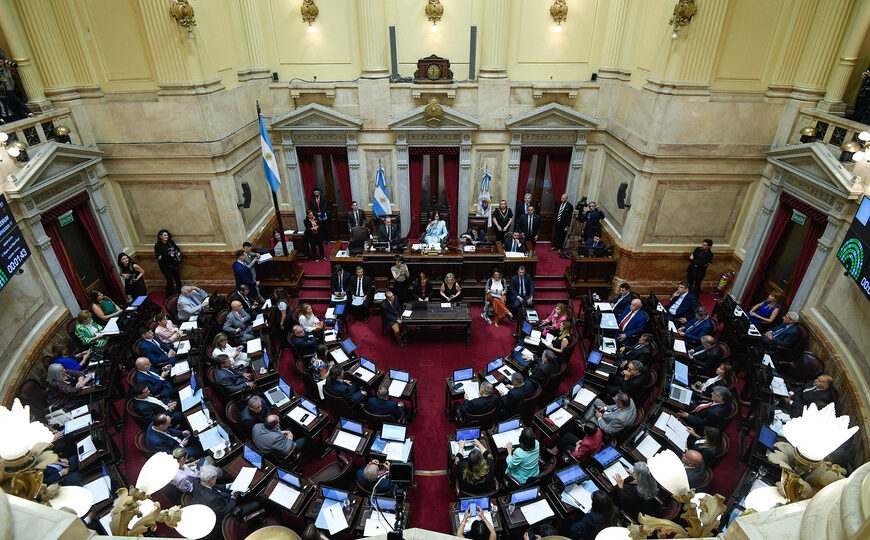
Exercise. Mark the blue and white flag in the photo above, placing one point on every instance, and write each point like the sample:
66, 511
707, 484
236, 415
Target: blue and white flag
484, 204
269, 162
381, 201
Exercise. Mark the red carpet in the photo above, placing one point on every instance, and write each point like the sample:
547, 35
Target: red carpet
431, 361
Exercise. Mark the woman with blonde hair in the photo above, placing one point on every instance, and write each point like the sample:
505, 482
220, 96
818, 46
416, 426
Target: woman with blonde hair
496, 288
450, 289
89, 332
554, 322
562, 340
476, 473
222, 345
308, 320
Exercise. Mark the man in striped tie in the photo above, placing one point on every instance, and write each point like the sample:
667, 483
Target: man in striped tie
632, 323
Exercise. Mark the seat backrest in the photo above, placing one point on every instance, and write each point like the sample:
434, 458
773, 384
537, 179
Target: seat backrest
725, 349
526, 407
222, 317
137, 347
332, 472
140, 420
483, 420
171, 306
339, 406
71, 330
376, 421
233, 412
33, 393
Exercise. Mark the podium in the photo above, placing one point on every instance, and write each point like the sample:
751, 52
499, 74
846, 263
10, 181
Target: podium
281, 272
589, 273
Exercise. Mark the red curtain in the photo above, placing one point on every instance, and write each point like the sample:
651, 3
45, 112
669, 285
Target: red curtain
779, 223
53, 232
451, 186
808, 249
87, 218
525, 169
342, 172
306, 170
559, 175
415, 173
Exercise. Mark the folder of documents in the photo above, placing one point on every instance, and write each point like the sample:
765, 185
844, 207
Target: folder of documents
255, 345
284, 495
244, 479
396, 388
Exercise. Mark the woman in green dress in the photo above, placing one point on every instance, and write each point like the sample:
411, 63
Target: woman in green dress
102, 307
89, 332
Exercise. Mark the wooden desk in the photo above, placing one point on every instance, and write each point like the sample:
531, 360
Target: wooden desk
314, 426
367, 510
350, 511
381, 456
516, 520
374, 382
499, 450
550, 430
409, 394
281, 272
589, 273
234, 467
360, 450
306, 490
494, 517
435, 316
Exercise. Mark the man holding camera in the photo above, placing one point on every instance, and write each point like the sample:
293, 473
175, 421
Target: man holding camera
592, 217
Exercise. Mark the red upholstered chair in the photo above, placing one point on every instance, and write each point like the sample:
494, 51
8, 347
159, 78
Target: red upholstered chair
171, 305
333, 473
139, 441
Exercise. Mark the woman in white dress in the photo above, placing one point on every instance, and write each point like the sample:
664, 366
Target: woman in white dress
308, 320
436, 230
222, 345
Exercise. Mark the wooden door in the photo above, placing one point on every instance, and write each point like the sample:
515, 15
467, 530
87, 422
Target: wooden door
539, 185
327, 181
779, 278
88, 271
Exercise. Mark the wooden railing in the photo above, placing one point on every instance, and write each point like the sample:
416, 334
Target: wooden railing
41, 128
828, 129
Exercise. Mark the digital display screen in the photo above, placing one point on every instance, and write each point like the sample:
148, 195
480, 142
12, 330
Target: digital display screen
571, 475
350, 425
553, 406
852, 252
509, 425
495, 364
399, 375
13, 248
463, 374
468, 434
607, 456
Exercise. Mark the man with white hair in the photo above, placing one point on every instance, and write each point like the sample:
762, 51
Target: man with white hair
632, 323
786, 335
238, 322
219, 498
191, 301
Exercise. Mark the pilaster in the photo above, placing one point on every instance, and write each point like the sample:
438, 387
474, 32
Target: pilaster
43, 245
68, 25
702, 45
356, 188
849, 51
493, 57
825, 243
20, 53
404, 183
52, 60
800, 21
373, 43
101, 210
294, 178
610, 54
465, 183
257, 66
759, 234
514, 169
576, 170
821, 47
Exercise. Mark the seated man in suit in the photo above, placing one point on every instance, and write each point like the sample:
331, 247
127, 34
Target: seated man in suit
612, 418
243, 295
191, 301
522, 289
518, 389
707, 357
621, 301
268, 437
709, 414
474, 235
305, 342
595, 242
642, 351
516, 243
339, 387
361, 290
694, 465
391, 313
786, 335
154, 349
219, 499
230, 381
682, 304
356, 217
388, 231
530, 225
632, 323
818, 391
479, 405
369, 475
159, 437
694, 330
238, 323
382, 404
148, 406
154, 380
548, 366
254, 413
632, 381
339, 283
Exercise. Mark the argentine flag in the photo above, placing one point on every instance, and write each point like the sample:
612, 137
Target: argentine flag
484, 204
380, 200
269, 162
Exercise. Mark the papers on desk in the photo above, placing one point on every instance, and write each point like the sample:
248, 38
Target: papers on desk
753, 331
648, 446
211, 439
617, 469
331, 517
380, 296
676, 432
198, 421
471, 389
767, 361
357, 301
397, 451
77, 423
406, 313
537, 511
379, 523
99, 488
78, 411
527, 354
445, 304
255, 345
184, 347
364, 374
469, 249
298, 412
86, 448
284, 495
679, 346
584, 397
672, 327
329, 336
189, 398
180, 367
339, 355
264, 257
578, 496
243, 481
396, 388
514, 255
604, 306
330, 314
187, 325
501, 440
111, 328
533, 339
779, 418
549, 339
778, 387
500, 387
560, 417
608, 346
532, 316
288, 232
259, 321
506, 371
416, 247
347, 440
608, 322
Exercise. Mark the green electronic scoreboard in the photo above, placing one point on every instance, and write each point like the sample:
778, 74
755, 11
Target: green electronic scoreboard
13, 248
854, 249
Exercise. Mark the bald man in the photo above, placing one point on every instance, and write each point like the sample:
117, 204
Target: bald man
156, 381
817, 391
631, 323
238, 323
694, 465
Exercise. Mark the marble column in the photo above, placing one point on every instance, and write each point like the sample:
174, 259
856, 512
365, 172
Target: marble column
821, 46
514, 170
356, 185
20, 53
800, 21
493, 50
257, 66
849, 51
466, 183
825, 243
68, 24
294, 178
52, 59
702, 42
404, 182
616, 18
576, 170
43, 245
759, 234
373, 41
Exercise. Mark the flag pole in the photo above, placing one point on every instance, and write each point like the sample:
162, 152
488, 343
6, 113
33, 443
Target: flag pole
275, 203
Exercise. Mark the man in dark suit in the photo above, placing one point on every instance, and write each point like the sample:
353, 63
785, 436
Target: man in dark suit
356, 217
641, 351
391, 314
708, 356
219, 499
382, 404
159, 437
522, 209
694, 465
530, 225
479, 405
339, 387
304, 342
388, 231
541, 370
699, 261
709, 414
360, 291
786, 335
518, 389
631, 323
243, 274
595, 242
621, 301
563, 216
148, 406
631, 381
516, 243
154, 349
154, 380
818, 391
254, 413
243, 294
317, 204
339, 282
522, 289
592, 217
700, 326
229, 380
682, 304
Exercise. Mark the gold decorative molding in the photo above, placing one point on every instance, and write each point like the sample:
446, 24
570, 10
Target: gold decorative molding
433, 114
559, 12
182, 12
309, 11
434, 11
683, 13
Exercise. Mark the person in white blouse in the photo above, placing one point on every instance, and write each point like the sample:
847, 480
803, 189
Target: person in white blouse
187, 473
165, 330
308, 320
222, 345
496, 287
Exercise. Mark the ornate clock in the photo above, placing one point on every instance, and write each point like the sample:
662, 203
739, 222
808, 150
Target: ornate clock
433, 69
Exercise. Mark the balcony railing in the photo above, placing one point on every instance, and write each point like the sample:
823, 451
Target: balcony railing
40, 129
831, 130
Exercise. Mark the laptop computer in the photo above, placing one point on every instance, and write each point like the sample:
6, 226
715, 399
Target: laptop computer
527, 328
383, 504
349, 346
552, 407
508, 425
681, 372
482, 503
261, 363
767, 437
467, 434
607, 456
393, 432
594, 358
495, 364
253, 457
680, 394
571, 475
524, 495
290, 478
308, 406
399, 375
365, 363
334, 494
350, 425
463, 375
